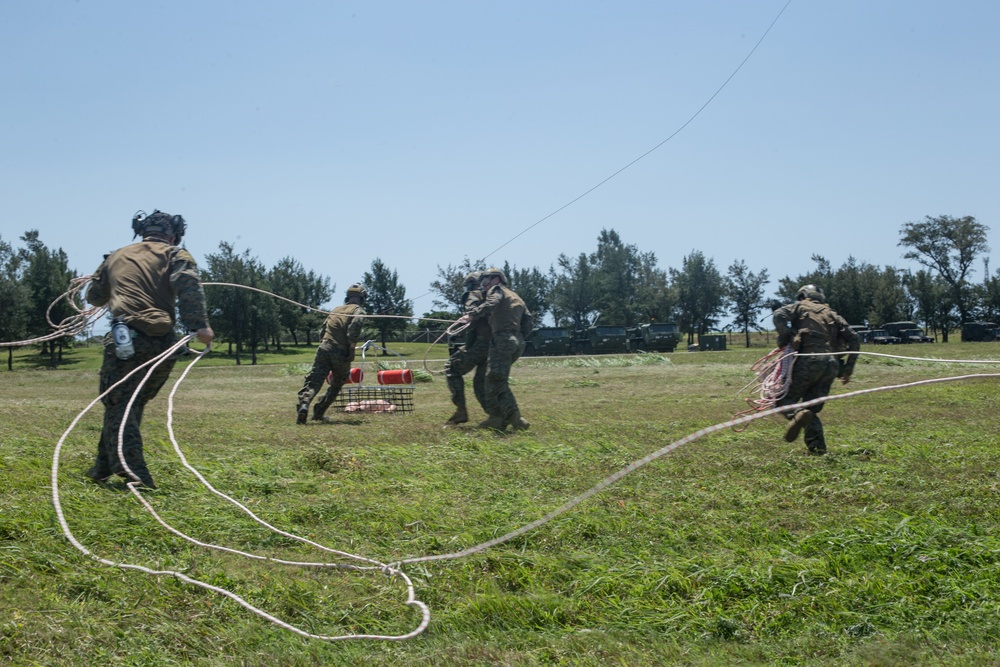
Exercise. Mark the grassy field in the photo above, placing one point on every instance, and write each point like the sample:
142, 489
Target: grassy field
737, 548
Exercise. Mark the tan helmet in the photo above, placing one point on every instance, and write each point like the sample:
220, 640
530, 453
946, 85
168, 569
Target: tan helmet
358, 290
811, 292
494, 272
472, 279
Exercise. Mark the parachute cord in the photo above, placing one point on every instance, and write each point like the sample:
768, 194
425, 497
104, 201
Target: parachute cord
773, 376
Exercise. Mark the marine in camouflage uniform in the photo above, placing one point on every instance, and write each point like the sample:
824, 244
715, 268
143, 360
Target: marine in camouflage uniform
472, 354
812, 327
143, 285
340, 335
509, 321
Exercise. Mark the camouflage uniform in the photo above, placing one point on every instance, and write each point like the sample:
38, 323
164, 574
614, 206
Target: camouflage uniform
504, 310
814, 327
473, 354
341, 332
140, 284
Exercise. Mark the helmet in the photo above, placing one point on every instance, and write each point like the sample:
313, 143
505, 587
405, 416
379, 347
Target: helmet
494, 273
811, 292
472, 279
158, 222
358, 290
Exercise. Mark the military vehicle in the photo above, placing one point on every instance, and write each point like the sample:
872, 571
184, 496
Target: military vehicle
980, 331
654, 337
600, 339
550, 341
915, 336
907, 332
882, 337
864, 333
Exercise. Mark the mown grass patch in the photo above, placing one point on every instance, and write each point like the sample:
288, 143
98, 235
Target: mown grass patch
736, 548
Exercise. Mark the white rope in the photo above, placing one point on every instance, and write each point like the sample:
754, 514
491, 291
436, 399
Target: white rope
133, 487
632, 467
70, 326
393, 569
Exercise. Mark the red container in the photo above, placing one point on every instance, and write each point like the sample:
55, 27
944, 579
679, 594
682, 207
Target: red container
354, 378
404, 376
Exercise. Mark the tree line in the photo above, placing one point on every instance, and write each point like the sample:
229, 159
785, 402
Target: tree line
615, 284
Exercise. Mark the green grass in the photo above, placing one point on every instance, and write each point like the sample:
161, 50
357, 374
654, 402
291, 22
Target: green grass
734, 549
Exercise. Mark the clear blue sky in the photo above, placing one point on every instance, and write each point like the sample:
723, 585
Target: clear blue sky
425, 132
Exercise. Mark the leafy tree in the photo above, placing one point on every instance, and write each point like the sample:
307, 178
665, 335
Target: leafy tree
386, 296
243, 318
616, 271
889, 300
573, 290
949, 246
14, 300
990, 298
318, 292
700, 294
46, 277
926, 290
287, 280
745, 291
654, 301
532, 286
450, 284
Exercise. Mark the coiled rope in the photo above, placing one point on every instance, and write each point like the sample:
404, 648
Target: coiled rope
71, 326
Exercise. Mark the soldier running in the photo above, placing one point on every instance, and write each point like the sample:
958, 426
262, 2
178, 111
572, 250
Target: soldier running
143, 285
509, 319
339, 336
472, 354
811, 326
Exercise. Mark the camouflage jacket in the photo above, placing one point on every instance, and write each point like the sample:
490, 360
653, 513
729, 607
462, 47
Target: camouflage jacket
343, 326
480, 328
503, 308
814, 327
144, 282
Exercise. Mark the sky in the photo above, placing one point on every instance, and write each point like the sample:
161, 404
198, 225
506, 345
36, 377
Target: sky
424, 133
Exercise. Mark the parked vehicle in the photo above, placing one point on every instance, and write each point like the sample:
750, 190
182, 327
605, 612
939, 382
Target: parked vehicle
897, 329
600, 339
980, 331
654, 337
882, 337
864, 333
915, 336
548, 341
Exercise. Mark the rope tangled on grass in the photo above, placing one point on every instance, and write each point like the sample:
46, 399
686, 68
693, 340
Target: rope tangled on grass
393, 569
370, 565
770, 385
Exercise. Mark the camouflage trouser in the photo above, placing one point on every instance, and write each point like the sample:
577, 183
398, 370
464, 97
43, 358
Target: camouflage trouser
329, 358
114, 369
812, 378
466, 358
505, 348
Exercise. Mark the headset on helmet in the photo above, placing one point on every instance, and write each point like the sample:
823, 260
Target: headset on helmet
811, 292
158, 222
358, 290
494, 273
